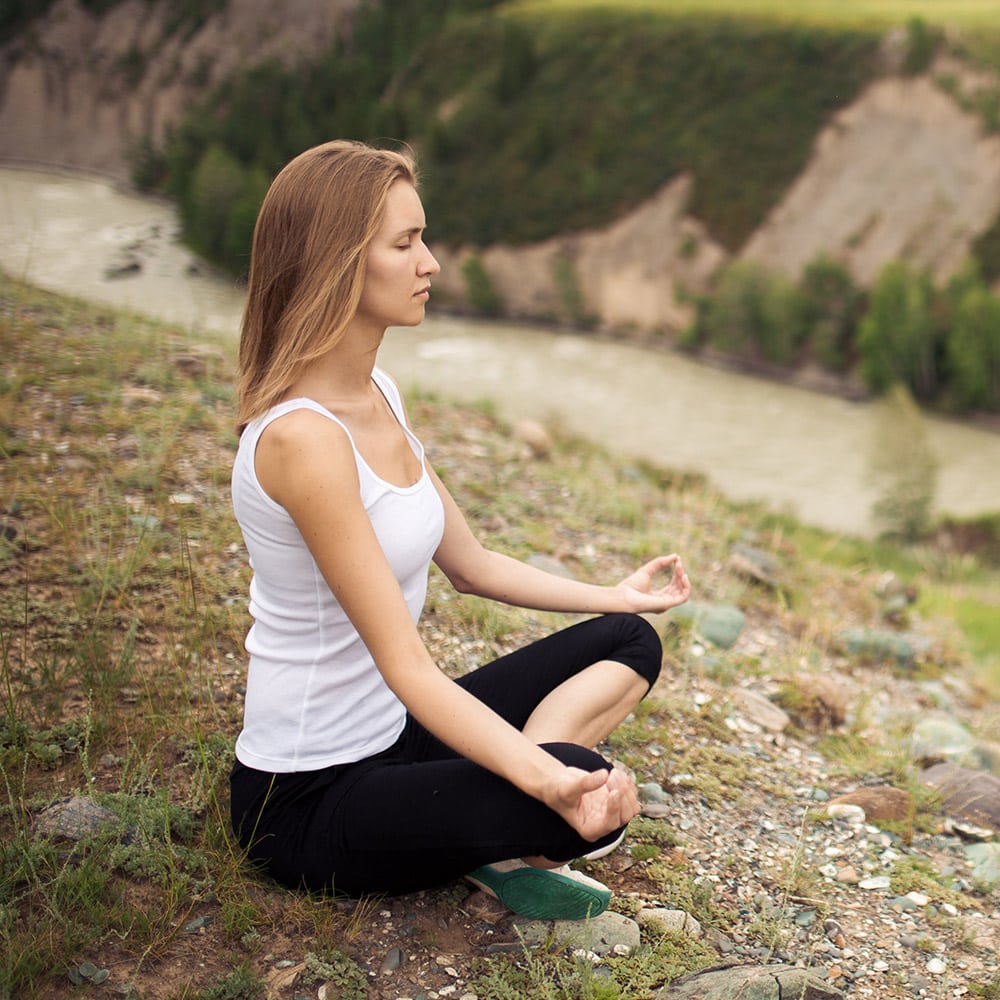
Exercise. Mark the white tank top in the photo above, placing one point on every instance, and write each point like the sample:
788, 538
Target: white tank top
314, 695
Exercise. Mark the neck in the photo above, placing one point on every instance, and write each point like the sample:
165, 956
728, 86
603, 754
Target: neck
344, 371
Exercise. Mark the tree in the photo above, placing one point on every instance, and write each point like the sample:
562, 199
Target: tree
831, 304
897, 337
973, 350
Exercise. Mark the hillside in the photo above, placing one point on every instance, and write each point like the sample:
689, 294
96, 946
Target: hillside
904, 168
789, 819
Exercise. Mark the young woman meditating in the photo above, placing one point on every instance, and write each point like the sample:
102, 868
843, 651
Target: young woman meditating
361, 767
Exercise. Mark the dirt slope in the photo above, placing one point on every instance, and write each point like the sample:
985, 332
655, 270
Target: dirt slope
901, 173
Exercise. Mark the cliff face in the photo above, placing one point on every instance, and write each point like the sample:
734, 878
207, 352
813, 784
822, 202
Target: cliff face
903, 173
77, 90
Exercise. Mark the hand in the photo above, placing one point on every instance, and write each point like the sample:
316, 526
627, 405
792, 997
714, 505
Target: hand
595, 802
640, 595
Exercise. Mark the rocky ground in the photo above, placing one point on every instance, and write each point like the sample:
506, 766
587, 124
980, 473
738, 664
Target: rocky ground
780, 869
817, 762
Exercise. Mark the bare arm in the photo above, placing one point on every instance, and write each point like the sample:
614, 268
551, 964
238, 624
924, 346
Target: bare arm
473, 569
323, 498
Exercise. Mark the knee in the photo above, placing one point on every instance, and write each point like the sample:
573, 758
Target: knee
641, 647
574, 755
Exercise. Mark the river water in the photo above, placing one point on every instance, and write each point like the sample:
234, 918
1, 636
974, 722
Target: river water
795, 450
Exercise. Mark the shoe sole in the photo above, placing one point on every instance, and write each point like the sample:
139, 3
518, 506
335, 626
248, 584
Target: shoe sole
542, 894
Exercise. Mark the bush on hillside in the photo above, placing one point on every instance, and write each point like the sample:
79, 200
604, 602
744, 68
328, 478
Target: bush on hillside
528, 127
754, 313
897, 338
222, 206
922, 43
480, 291
973, 351
832, 305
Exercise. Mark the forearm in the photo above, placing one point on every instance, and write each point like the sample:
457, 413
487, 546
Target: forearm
502, 578
472, 729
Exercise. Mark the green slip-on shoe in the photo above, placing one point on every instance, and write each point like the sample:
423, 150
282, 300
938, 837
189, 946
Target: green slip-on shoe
543, 893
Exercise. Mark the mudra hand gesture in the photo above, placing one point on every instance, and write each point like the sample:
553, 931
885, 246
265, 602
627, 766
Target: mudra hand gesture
640, 594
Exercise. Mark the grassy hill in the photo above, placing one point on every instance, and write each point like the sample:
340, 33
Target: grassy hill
123, 585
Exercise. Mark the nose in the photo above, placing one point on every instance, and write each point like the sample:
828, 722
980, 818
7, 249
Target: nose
428, 263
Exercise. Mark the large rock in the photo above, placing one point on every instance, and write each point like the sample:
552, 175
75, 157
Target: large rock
759, 709
609, 933
940, 737
966, 794
779, 982
881, 646
719, 624
880, 802
984, 860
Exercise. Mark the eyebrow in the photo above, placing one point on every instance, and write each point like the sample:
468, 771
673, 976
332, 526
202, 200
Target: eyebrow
411, 231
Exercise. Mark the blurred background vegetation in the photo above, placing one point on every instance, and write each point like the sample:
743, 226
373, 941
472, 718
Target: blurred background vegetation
517, 112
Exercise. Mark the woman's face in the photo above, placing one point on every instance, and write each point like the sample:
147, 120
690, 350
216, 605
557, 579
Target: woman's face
399, 266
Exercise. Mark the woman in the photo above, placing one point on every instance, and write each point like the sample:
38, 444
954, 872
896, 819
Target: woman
361, 767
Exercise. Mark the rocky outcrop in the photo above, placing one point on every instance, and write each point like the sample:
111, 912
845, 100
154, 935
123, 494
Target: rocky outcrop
78, 89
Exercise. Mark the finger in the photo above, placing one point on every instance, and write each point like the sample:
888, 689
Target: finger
580, 783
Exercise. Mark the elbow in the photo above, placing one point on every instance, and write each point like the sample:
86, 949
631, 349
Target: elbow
463, 584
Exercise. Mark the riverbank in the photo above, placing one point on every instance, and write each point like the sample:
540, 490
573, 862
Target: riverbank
804, 670
756, 440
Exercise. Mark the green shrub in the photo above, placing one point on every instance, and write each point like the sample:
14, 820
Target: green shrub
754, 313
897, 338
567, 284
222, 206
921, 45
973, 351
831, 306
479, 290
986, 250
518, 61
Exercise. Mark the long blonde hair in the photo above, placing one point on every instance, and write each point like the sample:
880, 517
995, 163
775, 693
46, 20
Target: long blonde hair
307, 262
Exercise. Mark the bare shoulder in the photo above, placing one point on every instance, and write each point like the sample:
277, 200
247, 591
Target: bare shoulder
300, 446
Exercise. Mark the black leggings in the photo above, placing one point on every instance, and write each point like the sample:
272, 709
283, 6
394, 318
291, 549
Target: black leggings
418, 815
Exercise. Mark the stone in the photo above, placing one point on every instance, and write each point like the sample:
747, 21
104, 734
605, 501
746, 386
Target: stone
984, 859
875, 882
651, 791
73, 818
940, 737
719, 624
535, 436
779, 982
394, 958
760, 710
881, 803
880, 646
601, 935
821, 702
965, 793
669, 920
754, 564
656, 810
847, 811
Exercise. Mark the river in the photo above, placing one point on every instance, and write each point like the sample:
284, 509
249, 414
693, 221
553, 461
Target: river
795, 450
